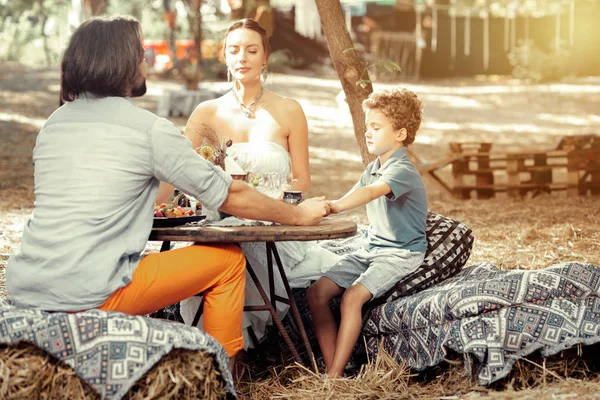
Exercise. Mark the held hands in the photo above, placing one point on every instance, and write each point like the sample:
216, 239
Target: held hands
334, 207
313, 211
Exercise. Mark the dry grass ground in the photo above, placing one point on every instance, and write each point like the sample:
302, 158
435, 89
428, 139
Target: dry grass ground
530, 233
562, 377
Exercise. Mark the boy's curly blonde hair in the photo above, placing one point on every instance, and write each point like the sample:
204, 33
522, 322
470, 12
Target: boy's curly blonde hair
401, 106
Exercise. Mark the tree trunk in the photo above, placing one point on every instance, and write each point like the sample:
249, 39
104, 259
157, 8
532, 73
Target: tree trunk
195, 72
45, 37
169, 17
77, 14
195, 22
238, 9
95, 7
136, 9
349, 67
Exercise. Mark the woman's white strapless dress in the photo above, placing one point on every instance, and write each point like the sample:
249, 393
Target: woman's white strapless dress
302, 261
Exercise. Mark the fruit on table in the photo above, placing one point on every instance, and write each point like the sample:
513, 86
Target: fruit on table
171, 211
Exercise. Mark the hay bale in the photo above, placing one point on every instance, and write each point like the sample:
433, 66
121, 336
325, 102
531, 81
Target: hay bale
27, 372
181, 374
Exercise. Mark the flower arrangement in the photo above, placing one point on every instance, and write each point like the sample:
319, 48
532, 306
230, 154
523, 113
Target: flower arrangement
215, 155
211, 148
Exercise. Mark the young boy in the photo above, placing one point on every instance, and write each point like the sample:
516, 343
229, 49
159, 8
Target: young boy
394, 244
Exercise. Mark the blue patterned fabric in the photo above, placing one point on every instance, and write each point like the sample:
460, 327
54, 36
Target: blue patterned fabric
108, 350
496, 316
449, 244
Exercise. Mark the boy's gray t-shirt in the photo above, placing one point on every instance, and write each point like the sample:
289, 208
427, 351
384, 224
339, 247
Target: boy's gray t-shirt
98, 163
398, 219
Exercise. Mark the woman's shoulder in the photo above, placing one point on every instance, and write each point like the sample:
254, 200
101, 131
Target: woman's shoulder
206, 110
288, 104
208, 106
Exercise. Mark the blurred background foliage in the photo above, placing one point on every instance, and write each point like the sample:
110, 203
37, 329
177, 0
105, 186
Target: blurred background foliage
501, 8
530, 63
35, 32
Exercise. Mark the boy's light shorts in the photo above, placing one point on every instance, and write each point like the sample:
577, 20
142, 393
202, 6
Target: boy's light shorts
378, 270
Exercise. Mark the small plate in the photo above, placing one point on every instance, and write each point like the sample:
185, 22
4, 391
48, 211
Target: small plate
164, 222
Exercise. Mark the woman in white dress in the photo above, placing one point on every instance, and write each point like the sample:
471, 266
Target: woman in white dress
270, 135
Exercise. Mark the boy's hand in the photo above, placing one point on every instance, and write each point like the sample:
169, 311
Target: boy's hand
312, 211
334, 207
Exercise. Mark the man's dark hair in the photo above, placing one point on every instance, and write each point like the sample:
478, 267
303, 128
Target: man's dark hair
103, 58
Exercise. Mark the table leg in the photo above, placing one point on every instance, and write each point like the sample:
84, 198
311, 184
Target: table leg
271, 273
292, 303
270, 304
165, 246
199, 311
269, 307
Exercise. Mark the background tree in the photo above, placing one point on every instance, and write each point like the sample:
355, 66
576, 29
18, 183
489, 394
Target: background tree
136, 9
349, 67
95, 7
193, 72
170, 17
25, 24
238, 9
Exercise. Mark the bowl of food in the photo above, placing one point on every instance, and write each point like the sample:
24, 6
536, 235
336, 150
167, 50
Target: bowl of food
172, 214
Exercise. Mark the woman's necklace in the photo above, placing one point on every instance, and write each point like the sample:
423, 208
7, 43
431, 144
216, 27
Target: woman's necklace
248, 110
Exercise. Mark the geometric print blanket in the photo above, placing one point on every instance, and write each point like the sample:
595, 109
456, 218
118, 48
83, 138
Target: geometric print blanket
492, 316
449, 244
108, 350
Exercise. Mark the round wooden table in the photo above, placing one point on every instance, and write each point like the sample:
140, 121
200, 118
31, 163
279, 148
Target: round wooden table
329, 228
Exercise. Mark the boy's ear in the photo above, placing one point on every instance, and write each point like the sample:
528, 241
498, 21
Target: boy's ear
401, 135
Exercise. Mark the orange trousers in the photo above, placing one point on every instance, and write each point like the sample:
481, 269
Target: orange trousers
164, 278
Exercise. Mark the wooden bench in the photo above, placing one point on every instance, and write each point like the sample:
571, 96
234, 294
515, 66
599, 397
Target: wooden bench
573, 166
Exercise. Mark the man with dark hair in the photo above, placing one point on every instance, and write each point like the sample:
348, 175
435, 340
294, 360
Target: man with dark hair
117, 70
98, 163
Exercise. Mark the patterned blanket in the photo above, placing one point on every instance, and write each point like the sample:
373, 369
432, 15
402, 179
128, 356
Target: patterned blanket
110, 351
496, 316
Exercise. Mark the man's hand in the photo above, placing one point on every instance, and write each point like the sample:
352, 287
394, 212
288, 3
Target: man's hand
245, 202
334, 207
313, 211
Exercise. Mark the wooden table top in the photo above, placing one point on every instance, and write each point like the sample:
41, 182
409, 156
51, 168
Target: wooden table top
329, 228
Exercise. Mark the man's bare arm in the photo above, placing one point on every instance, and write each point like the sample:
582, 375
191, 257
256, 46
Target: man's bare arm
246, 202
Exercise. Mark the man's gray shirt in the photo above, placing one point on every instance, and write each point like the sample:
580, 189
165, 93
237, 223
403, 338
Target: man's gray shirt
98, 163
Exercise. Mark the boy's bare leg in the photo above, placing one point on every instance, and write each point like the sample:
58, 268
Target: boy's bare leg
319, 295
352, 301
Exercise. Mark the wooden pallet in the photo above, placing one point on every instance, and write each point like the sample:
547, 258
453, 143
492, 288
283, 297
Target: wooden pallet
573, 166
